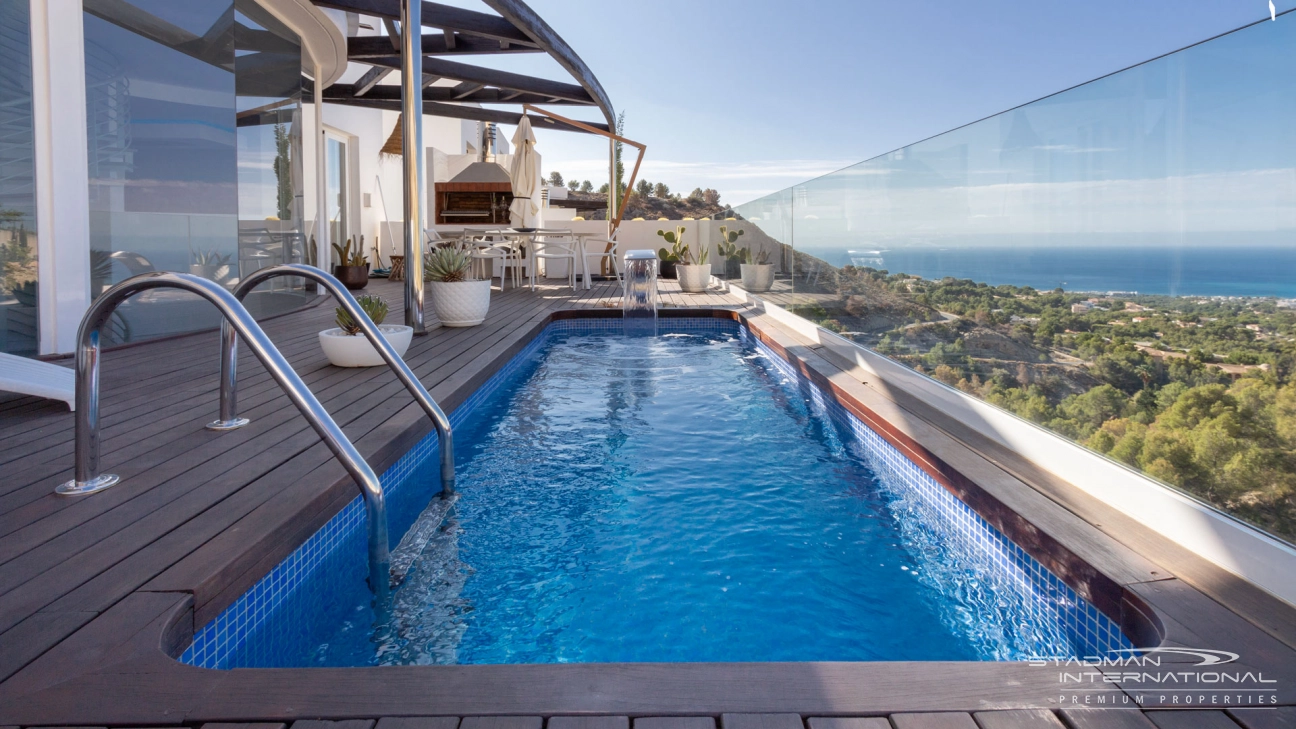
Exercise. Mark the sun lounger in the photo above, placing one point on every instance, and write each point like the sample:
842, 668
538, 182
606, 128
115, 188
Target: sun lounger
33, 377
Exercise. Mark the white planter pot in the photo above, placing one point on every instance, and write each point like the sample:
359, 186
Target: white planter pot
757, 277
347, 350
462, 303
693, 279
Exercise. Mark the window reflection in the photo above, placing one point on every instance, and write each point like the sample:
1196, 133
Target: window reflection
193, 112
18, 298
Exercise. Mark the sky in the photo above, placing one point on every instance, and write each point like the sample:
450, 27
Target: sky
751, 96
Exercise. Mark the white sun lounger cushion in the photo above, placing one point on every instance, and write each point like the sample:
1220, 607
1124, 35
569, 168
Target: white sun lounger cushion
33, 377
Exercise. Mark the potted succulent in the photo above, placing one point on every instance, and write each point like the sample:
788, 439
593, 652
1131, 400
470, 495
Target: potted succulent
347, 346
730, 252
669, 259
209, 264
353, 267
457, 300
693, 271
757, 271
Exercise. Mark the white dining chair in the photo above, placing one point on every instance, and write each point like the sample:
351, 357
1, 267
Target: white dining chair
555, 248
603, 249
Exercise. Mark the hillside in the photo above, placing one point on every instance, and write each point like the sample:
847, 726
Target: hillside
594, 206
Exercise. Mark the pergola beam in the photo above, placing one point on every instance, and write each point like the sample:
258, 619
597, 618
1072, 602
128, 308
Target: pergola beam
455, 111
436, 15
493, 77
485, 95
464, 90
434, 44
370, 79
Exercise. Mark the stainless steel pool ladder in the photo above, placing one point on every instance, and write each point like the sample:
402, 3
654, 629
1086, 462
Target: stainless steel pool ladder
229, 418
88, 480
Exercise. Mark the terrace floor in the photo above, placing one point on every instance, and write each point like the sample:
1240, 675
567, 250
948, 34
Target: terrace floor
88, 585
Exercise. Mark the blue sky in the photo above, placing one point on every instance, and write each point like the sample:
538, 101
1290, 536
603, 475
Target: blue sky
749, 96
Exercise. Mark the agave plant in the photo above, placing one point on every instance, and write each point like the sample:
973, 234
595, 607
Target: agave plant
446, 265
698, 258
760, 257
373, 307
209, 258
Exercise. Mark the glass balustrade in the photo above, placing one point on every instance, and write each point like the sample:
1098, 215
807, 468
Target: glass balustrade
1115, 262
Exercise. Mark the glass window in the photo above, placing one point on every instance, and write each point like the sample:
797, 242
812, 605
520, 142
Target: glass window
193, 113
18, 301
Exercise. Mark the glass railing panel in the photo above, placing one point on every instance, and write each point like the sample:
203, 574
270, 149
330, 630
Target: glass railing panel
18, 294
1114, 262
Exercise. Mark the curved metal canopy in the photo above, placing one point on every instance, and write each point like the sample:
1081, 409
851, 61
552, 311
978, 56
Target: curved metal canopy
463, 33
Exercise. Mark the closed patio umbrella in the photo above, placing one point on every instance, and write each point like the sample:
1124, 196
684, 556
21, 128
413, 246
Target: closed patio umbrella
522, 212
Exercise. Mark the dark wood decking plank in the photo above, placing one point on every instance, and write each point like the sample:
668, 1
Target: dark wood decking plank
936, 720
847, 722
1191, 719
1018, 719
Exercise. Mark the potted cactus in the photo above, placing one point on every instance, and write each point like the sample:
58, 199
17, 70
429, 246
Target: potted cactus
669, 259
353, 267
693, 271
457, 300
730, 252
757, 271
347, 346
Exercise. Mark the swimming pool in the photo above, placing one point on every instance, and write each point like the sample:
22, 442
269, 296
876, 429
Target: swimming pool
684, 497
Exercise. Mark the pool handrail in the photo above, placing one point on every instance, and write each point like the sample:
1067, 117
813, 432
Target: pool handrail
88, 480
229, 418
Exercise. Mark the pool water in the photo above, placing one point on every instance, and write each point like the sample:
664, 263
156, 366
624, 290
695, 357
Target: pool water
685, 497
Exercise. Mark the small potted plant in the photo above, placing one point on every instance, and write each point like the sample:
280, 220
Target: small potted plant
347, 346
209, 264
669, 259
353, 267
693, 272
457, 300
730, 252
757, 271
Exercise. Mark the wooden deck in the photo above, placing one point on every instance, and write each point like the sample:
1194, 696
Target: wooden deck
91, 583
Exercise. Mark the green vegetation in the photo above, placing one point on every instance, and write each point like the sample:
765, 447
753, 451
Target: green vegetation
1197, 392
678, 250
347, 256
373, 306
447, 264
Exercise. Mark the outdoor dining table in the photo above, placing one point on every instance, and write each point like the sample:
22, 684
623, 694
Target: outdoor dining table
530, 234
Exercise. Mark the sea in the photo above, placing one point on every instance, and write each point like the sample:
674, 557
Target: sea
1258, 271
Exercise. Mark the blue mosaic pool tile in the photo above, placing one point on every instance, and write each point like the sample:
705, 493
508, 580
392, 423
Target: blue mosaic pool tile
337, 549
1077, 627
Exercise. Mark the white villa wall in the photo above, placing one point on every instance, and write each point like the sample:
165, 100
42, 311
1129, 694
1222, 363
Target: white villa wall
379, 177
